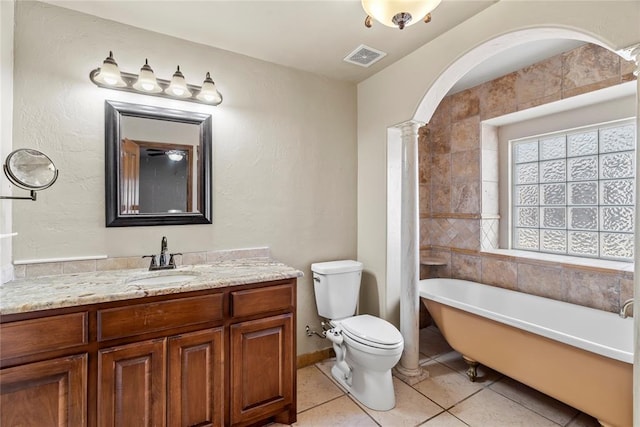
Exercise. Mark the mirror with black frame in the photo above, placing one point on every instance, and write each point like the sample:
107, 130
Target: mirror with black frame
158, 166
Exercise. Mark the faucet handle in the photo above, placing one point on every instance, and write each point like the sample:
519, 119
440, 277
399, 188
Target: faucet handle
153, 261
172, 262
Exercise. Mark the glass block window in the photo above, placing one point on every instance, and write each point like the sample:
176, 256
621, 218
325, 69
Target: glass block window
573, 192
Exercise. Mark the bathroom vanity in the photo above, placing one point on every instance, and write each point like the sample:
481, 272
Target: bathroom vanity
215, 347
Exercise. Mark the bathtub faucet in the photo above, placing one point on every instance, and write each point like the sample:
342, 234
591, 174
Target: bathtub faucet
623, 311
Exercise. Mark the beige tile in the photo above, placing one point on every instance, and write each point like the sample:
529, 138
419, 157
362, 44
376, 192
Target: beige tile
465, 197
539, 81
191, 258
43, 269
532, 399
314, 388
589, 64
465, 166
119, 263
339, 412
465, 134
498, 97
499, 273
488, 408
441, 169
325, 366
19, 271
465, 104
445, 419
445, 386
595, 290
466, 267
542, 281
584, 420
79, 266
411, 408
432, 343
454, 360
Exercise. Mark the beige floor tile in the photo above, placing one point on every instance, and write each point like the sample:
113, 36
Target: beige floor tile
488, 408
444, 420
584, 420
538, 402
336, 413
325, 366
411, 408
314, 388
445, 386
454, 360
432, 343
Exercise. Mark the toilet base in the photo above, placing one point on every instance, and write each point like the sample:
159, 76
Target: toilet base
373, 389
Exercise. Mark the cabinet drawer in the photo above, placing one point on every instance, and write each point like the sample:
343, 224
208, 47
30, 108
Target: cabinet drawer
262, 300
152, 317
40, 335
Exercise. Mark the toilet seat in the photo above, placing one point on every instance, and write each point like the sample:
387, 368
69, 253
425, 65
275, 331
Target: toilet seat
372, 331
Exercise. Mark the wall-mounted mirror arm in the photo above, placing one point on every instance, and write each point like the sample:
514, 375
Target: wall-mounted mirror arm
30, 170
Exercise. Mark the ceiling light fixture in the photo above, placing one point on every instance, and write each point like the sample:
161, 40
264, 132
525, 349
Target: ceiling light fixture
175, 155
398, 13
109, 76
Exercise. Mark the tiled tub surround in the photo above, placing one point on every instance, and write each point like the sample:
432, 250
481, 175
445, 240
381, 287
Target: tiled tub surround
596, 287
67, 290
458, 182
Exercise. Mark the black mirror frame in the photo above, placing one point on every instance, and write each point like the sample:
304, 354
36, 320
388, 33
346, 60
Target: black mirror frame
114, 111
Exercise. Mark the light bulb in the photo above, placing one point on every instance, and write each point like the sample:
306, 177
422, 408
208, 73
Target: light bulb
178, 85
147, 80
109, 73
209, 93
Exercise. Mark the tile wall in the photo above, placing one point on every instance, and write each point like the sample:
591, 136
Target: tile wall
458, 202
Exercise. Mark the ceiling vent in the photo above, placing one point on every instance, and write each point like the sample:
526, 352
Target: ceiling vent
364, 56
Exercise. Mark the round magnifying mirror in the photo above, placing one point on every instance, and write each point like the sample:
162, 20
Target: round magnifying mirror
30, 169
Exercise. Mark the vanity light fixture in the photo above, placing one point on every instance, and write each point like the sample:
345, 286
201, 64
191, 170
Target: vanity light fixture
109, 76
398, 13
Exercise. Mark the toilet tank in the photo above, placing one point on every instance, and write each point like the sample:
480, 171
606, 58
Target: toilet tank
337, 286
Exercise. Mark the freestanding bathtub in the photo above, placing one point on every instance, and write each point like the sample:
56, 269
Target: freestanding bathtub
578, 355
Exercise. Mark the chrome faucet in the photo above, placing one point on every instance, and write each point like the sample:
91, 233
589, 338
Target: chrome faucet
162, 263
623, 311
163, 251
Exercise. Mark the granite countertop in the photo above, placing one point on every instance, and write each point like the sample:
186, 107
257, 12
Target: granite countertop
68, 290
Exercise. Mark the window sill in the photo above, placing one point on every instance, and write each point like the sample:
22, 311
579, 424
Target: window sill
571, 261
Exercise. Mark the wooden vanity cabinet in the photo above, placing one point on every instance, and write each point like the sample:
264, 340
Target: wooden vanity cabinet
224, 357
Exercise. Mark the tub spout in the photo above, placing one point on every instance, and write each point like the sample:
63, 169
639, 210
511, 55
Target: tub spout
623, 311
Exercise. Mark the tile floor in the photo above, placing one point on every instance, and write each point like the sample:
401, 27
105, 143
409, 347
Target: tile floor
445, 399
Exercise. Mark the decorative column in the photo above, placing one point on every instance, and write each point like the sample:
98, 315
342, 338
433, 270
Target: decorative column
632, 53
409, 368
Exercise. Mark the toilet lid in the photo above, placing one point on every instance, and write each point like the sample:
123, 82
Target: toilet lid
371, 329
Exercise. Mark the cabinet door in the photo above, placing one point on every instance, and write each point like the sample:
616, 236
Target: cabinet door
196, 379
48, 393
132, 385
262, 368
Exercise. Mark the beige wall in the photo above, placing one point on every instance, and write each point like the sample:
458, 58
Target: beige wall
284, 148
397, 93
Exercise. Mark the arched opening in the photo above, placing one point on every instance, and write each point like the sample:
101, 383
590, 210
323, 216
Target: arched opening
398, 258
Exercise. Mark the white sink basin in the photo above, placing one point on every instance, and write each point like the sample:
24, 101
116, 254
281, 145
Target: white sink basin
162, 278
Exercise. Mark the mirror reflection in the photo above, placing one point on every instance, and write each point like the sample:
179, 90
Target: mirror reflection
30, 169
158, 166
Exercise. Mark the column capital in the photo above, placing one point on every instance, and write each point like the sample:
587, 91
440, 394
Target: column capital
409, 129
632, 53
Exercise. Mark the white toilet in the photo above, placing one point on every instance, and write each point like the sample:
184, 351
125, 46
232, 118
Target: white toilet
366, 347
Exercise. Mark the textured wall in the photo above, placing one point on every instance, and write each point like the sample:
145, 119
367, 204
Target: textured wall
284, 148
452, 191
